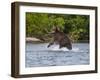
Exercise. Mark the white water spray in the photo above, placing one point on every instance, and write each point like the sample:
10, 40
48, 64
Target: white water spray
56, 48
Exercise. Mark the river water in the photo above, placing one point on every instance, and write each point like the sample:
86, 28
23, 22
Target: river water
38, 55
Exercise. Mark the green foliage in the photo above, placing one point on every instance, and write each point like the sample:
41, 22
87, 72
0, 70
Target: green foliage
78, 26
39, 24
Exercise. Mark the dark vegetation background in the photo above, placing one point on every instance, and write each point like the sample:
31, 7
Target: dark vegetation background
75, 26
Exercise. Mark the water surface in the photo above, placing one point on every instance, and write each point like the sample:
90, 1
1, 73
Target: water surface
38, 55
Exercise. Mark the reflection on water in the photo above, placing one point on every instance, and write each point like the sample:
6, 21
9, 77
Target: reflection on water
38, 55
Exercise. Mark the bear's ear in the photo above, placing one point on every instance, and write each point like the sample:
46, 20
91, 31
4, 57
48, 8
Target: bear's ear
56, 28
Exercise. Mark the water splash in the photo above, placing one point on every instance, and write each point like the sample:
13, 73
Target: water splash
56, 48
75, 49
43, 47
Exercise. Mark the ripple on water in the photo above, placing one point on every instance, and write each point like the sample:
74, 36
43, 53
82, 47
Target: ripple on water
42, 56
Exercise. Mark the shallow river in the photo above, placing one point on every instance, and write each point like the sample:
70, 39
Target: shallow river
38, 55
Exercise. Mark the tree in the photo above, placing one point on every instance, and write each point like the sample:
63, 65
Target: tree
39, 24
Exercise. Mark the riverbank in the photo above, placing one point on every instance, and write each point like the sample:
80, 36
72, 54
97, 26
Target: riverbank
33, 40
37, 40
